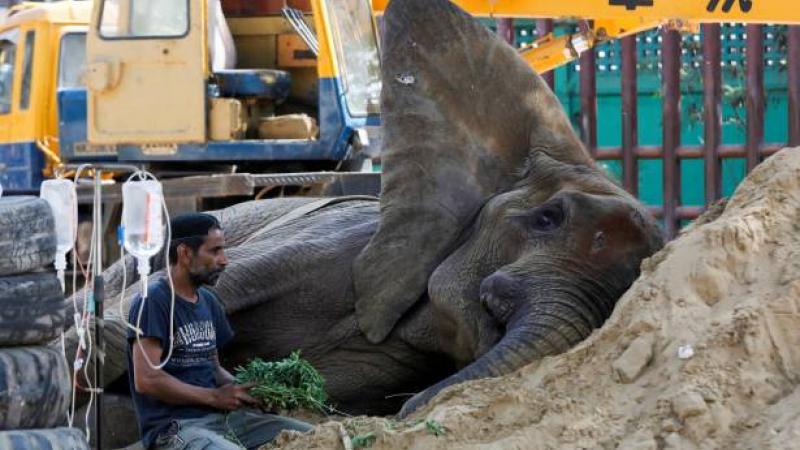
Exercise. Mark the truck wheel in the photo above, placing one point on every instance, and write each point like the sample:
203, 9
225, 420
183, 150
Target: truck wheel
53, 439
32, 309
34, 388
27, 234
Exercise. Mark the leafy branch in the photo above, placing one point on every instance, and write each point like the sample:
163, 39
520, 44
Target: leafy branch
291, 383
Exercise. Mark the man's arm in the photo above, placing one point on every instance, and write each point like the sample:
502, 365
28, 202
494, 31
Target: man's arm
222, 375
165, 387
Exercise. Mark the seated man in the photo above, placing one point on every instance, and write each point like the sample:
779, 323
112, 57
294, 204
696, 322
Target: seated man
185, 404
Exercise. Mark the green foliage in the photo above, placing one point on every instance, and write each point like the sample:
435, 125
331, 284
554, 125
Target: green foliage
364, 440
291, 383
435, 428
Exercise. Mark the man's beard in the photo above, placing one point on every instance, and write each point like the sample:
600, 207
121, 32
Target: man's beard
208, 277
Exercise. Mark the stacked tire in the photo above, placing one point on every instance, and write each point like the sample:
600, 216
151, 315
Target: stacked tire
34, 379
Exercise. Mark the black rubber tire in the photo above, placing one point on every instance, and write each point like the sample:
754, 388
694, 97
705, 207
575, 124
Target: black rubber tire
34, 388
32, 309
53, 439
27, 234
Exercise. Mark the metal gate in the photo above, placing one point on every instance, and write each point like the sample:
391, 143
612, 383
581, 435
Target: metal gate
671, 152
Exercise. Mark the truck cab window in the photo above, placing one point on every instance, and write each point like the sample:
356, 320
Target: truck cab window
72, 60
27, 70
8, 52
144, 18
357, 52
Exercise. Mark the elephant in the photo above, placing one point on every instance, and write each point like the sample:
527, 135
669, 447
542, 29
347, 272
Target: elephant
496, 240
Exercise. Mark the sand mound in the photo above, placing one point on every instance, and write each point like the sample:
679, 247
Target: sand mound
702, 352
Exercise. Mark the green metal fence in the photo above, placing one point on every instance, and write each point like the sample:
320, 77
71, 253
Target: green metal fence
567, 88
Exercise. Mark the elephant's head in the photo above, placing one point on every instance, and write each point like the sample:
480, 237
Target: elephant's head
490, 202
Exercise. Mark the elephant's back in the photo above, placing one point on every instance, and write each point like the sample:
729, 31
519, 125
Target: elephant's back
291, 223
311, 251
242, 220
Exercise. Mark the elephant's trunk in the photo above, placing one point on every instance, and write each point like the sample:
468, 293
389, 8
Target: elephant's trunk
546, 327
549, 327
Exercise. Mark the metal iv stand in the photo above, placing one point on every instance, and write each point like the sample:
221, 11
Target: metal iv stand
98, 288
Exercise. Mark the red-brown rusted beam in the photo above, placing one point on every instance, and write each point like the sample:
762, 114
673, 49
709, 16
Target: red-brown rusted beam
505, 29
671, 113
687, 152
682, 213
630, 135
754, 98
589, 98
543, 27
712, 93
794, 85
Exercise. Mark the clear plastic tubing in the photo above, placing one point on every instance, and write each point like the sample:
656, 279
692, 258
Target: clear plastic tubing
61, 196
143, 223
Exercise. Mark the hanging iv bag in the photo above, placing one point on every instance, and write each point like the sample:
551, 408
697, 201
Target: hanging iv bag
61, 196
143, 223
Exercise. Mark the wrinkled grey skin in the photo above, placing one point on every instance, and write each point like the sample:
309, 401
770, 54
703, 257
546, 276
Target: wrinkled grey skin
496, 241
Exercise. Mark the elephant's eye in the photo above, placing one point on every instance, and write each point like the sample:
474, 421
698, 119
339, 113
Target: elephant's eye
548, 218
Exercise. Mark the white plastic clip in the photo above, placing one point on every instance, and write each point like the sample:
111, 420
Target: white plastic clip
81, 337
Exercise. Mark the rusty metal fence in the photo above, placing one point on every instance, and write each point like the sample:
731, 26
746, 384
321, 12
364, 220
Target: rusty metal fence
671, 152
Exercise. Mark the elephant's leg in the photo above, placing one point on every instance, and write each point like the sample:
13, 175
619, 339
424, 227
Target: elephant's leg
376, 379
360, 377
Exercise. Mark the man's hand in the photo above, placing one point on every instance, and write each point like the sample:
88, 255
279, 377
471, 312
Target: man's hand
231, 397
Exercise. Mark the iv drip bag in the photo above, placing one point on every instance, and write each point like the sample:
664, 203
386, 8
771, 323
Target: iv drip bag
61, 196
143, 223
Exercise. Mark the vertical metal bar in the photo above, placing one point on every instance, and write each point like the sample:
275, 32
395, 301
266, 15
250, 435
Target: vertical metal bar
712, 93
630, 135
98, 299
505, 29
794, 85
543, 27
589, 96
670, 85
755, 94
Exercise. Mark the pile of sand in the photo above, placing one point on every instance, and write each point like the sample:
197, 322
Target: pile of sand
702, 352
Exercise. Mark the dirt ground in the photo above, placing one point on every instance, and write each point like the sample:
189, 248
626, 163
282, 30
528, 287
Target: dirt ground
703, 352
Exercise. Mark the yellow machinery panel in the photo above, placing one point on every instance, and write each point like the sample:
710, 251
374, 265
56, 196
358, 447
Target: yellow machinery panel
30, 48
706, 11
614, 19
146, 75
226, 120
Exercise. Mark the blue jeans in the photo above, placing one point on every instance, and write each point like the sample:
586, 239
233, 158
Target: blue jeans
233, 431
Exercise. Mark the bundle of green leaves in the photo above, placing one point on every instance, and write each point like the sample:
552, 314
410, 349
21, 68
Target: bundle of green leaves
288, 384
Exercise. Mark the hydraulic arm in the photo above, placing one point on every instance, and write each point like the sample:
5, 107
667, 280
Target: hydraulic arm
613, 19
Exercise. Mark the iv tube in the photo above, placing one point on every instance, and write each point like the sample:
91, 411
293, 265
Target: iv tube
143, 223
61, 196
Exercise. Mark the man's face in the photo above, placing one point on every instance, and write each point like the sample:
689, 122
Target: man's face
208, 262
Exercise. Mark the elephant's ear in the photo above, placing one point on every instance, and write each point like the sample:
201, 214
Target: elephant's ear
461, 114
